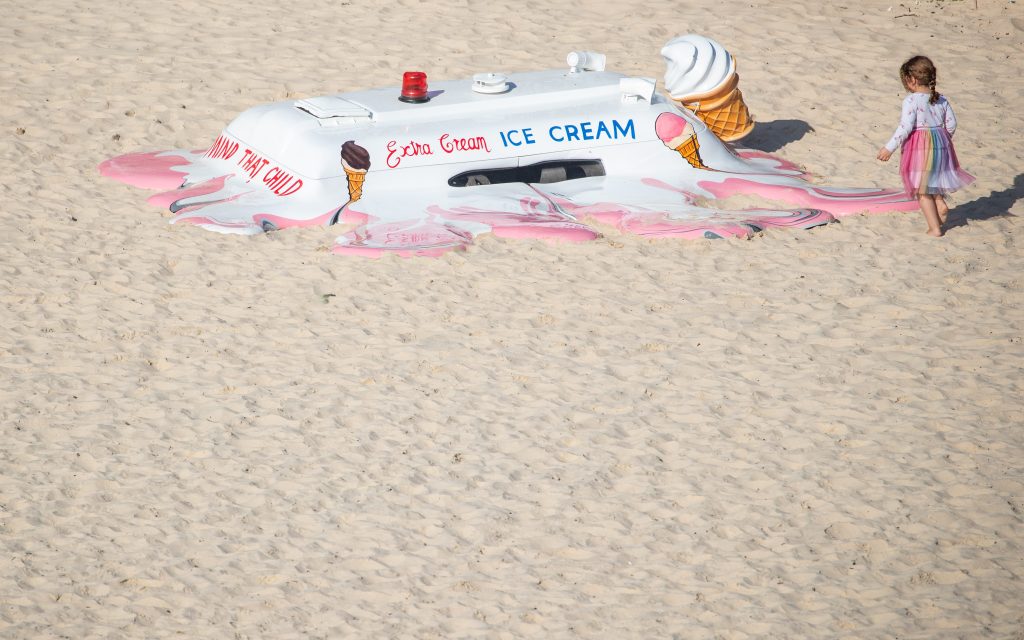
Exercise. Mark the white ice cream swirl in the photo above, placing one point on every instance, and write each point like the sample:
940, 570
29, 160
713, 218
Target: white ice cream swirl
695, 65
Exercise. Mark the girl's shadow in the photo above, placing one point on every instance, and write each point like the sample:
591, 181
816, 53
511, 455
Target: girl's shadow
994, 205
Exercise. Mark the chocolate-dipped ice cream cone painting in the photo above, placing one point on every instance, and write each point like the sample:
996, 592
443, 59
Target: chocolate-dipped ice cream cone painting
356, 162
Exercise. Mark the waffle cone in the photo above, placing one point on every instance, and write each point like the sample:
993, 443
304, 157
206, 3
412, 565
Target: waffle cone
355, 183
690, 150
722, 109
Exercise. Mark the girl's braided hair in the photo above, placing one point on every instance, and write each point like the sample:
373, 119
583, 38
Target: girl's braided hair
922, 69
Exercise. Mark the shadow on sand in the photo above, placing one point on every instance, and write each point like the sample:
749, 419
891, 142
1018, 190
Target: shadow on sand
994, 205
772, 136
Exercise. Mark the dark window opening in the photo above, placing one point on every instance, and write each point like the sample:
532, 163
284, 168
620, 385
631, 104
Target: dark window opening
540, 173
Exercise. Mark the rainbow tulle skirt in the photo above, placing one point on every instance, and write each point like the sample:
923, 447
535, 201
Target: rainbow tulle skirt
928, 163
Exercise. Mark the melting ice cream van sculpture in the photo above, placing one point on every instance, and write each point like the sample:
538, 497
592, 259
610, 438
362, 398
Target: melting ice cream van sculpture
423, 170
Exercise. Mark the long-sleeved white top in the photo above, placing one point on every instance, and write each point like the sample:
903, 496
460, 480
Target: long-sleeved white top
919, 114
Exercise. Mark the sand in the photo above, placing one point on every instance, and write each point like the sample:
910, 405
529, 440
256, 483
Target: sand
803, 435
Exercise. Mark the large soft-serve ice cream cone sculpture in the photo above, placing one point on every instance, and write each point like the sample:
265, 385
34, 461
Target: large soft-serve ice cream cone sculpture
678, 134
701, 76
356, 162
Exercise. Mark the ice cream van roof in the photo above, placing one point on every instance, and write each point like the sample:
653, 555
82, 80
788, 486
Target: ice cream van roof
539, 90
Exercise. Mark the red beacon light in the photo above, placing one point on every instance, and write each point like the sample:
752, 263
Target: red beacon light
414, 87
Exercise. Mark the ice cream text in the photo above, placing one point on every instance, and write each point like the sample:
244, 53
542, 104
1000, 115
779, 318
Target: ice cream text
447, 144
578, 132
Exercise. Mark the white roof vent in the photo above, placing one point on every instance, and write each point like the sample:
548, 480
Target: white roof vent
585, 61
333, 111
490, 83
635, 90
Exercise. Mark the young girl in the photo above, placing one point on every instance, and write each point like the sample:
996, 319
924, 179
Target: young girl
928, 162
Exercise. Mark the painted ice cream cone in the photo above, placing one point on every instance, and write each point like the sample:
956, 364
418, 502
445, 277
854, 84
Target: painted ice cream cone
356, 162
678, 135
355, 182
690, 150
701, 76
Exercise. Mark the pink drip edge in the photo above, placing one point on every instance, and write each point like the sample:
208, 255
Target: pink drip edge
782, 163
835, 202
285, 223
351, 216
257, 220
165, 199
146, 170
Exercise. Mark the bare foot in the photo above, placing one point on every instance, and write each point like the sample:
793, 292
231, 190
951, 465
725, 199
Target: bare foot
935, 232
943, 210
